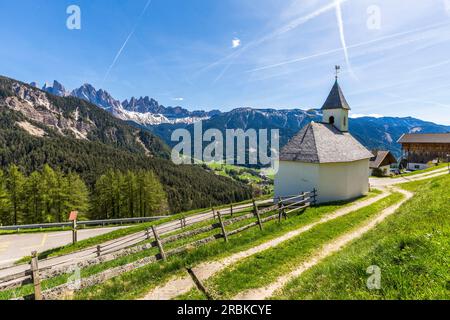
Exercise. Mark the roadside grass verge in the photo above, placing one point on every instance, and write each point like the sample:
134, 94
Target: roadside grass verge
60, 229
140, 281
116, 234
265, 267
411, 248
88, 271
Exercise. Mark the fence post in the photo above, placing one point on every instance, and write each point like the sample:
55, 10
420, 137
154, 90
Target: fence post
222, 226
255, 207
315, 196
74, 231
280, 209
147, 233
99, 250
231, 210
214, 213
159, 244
36, 278
256, 212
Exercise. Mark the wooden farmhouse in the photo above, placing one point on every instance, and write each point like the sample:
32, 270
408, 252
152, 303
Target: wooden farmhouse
325, 156
421, 149
381, 162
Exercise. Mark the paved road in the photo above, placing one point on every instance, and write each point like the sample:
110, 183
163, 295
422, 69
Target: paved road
15, 246
116, 244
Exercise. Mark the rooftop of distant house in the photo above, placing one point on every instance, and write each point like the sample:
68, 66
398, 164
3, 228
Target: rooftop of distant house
425, 138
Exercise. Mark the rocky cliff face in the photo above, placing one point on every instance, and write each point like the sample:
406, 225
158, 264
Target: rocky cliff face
57, 89
44, 114
100, 97
35, 106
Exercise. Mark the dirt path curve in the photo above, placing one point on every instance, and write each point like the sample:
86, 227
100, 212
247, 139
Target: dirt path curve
178, 286
325, 251
383, 182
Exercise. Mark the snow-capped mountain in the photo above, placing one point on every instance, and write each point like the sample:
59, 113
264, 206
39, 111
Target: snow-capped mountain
144, 111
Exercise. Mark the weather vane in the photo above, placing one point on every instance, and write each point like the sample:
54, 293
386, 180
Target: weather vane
338, 68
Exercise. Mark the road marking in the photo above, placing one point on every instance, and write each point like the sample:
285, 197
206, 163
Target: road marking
44, 239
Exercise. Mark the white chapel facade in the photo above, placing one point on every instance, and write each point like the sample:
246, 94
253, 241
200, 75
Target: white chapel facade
325, 156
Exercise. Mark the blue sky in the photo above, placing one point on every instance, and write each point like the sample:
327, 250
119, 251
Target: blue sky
211, 54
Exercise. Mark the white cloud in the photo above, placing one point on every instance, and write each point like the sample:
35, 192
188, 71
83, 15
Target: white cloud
178, 99
236, 42
360, 115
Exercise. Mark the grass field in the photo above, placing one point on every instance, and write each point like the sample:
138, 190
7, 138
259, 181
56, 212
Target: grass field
140, 281
411, 248
265, 267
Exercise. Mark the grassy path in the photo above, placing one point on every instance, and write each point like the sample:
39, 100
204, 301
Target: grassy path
139, 282
328, 249
181, 285
410, 251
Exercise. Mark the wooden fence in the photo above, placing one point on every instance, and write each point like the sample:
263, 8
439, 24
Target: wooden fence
282, 209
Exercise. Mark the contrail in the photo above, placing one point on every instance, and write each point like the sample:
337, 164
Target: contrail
342, 34
282, 30
126, 41
360, 44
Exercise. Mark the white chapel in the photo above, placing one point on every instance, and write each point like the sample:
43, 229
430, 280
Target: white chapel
325, 156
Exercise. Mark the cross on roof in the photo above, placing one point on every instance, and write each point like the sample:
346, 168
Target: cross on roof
338, 68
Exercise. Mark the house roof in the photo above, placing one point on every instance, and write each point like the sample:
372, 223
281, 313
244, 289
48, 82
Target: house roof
382, 158
323, 143
425, 138
336, 99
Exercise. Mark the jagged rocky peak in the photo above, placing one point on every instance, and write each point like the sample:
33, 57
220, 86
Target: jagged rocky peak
56, 89
143, 105
100, 97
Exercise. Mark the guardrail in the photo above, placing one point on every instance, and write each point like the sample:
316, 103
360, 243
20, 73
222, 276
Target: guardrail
82, 223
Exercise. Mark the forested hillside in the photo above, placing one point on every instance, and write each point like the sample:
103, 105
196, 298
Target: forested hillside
73, 135
48, 195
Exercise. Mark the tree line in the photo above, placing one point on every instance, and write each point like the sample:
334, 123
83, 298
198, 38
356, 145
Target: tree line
49, 195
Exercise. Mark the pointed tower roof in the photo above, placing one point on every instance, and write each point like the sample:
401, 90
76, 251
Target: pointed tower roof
336, 99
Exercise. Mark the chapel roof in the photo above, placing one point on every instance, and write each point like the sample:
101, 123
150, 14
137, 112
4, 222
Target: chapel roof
336, 99
323, 143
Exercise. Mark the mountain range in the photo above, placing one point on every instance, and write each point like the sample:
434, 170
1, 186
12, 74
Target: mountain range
375, 133
74, 135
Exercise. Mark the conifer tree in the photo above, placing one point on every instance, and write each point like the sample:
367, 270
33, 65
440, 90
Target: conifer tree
5, 205
14, 184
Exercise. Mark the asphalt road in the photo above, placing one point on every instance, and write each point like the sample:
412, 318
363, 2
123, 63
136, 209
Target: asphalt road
15, 246
20, 246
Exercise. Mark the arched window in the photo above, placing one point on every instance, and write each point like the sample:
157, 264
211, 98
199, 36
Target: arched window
331, 120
